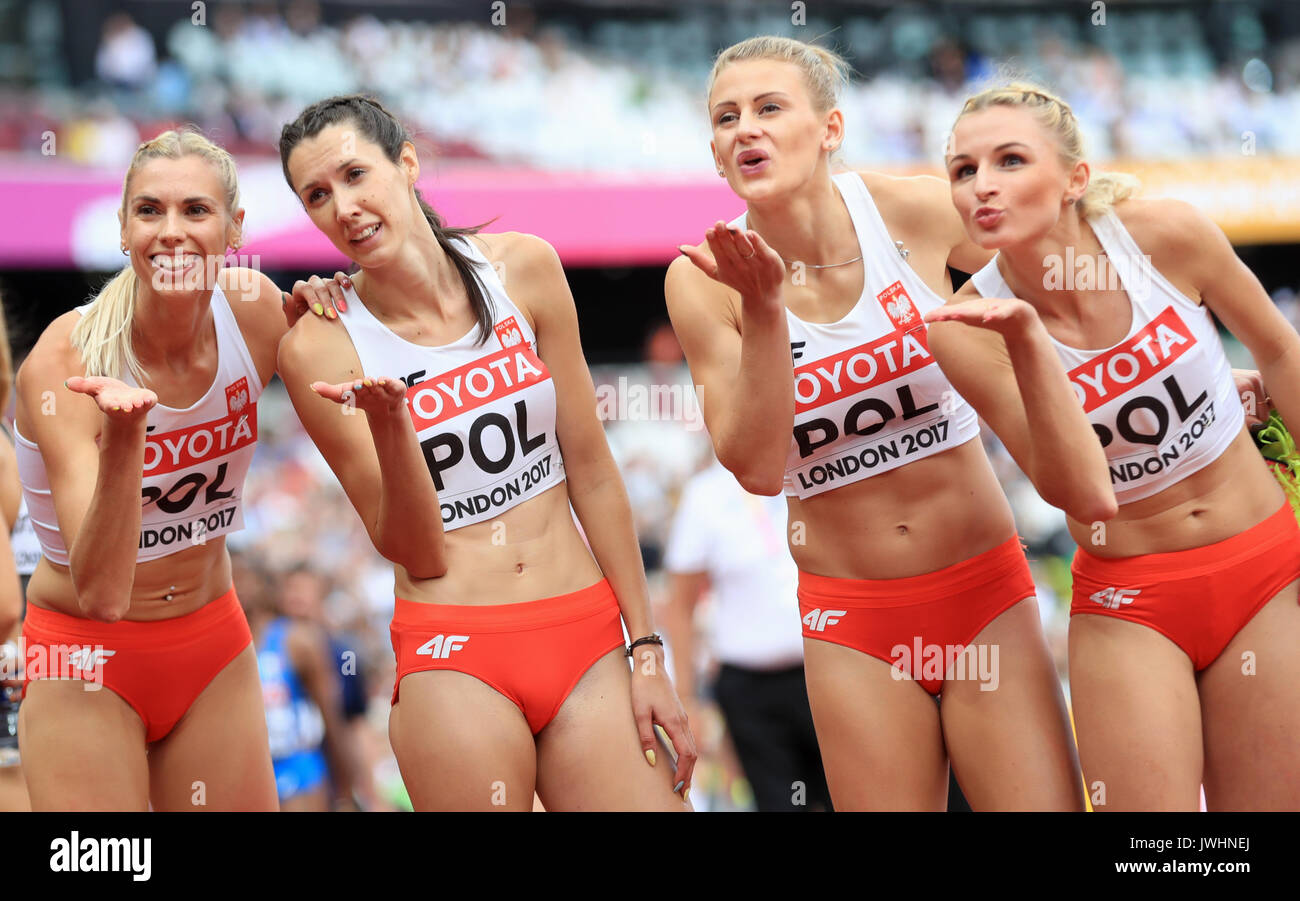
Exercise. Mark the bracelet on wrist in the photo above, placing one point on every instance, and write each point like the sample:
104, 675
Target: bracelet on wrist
652, 638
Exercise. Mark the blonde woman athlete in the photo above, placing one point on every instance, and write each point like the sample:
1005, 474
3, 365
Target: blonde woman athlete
1184, 622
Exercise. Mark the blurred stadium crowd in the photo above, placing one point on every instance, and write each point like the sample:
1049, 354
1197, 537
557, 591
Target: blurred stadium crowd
605, 91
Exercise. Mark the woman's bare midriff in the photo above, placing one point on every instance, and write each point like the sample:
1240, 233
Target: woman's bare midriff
1226, 498
916, 519
199, 574
530, 552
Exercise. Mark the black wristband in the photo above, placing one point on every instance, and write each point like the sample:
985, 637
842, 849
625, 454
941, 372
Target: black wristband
652, 638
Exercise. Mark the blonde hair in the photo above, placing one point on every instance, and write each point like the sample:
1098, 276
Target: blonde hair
103, 336
1105, 189
825, 71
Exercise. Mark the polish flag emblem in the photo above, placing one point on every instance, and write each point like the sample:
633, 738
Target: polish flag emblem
508, 332
898, 307
237, 396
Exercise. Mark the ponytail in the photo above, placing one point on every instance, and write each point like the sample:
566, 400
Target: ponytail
1104, 190
103, 336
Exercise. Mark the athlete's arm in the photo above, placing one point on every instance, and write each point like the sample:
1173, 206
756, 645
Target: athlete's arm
1186, 244
373, 452
96, 490
11, 601
742, 367
312, 660
265, 313
999, 357
595, 487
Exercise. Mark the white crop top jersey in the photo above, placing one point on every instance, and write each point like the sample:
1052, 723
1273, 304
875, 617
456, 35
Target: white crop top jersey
1163, 400
484, 414
195, 459
23, 540
868, 396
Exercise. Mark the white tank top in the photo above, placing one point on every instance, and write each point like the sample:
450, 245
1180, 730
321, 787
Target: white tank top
195, 459
1163, 400
484, 413
23, 540
868, 396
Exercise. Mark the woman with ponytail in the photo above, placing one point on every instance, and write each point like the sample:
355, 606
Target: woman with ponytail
480, 431
131, 488
802, 322
1184, 621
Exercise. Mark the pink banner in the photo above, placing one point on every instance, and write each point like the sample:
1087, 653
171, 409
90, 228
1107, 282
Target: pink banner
61, 216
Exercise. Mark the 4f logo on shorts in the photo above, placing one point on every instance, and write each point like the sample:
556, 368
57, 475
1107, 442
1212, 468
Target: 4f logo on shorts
88, 658
817, 620
442, 645
1112, 598
508, 332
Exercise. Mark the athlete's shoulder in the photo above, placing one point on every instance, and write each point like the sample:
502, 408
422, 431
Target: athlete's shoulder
1165, 222
915, 201
53, 352
312, 339
248, 289
903, 186
520, 248
253, 297
1176, 235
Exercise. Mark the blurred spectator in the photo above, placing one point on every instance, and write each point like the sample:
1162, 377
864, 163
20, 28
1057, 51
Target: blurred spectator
523, 95
734, 543
656, 433
313, 753
125, 59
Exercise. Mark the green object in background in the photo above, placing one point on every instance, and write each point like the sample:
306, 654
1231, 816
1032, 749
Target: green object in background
1279, 449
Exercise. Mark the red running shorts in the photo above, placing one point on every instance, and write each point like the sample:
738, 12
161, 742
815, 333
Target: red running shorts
158, 667
1198, 598
920, 625
534, 653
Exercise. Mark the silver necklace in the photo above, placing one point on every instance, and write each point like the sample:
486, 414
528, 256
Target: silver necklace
823, 265
898, 245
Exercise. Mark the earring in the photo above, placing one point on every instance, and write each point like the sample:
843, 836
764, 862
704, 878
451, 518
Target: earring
721, 174
125, 252
1070, 201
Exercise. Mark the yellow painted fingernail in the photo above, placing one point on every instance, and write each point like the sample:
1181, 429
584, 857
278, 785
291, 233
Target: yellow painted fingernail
330, 313
686, 796
320, 311
650, 756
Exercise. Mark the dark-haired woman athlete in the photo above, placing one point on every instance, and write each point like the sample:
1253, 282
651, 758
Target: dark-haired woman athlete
479, 431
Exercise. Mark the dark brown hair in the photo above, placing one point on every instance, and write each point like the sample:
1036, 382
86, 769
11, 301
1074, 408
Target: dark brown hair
381, 127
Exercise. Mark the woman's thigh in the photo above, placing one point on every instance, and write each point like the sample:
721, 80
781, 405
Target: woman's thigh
880, 737
1137, 715
589, 756
82, 749
461, 744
